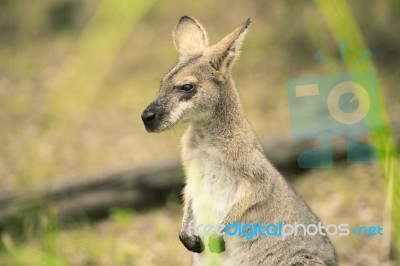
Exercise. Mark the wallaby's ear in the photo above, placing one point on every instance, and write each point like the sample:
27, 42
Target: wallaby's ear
189, 37
223, 54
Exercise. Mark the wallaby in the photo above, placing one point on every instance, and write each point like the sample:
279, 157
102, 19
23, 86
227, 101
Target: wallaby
228, 179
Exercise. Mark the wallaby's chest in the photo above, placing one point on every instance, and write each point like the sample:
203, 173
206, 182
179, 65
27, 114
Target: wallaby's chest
211, 183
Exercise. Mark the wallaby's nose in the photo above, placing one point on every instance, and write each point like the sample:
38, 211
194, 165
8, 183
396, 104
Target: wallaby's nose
148, 116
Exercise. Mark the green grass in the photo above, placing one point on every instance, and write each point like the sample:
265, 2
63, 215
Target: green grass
139, 238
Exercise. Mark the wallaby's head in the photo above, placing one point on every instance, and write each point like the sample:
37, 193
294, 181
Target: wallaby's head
191, 90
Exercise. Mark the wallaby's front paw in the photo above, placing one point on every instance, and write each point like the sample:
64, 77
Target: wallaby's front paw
216, 244
192, 243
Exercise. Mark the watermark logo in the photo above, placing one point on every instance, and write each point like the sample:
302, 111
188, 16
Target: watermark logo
341, 104
249, 231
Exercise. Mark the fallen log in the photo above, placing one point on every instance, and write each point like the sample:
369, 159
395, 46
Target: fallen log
147, 186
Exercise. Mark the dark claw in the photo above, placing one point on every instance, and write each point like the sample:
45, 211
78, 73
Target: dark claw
216, 244
192, 243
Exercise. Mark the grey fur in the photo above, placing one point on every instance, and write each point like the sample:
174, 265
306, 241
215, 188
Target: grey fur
228, 178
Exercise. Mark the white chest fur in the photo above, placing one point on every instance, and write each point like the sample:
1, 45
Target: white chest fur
211, 184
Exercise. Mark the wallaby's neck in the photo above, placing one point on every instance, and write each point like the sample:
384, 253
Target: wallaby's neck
228, 119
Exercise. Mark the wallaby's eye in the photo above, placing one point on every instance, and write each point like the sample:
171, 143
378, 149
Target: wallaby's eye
187, 87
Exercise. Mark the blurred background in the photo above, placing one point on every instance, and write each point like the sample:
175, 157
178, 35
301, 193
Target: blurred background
76, 75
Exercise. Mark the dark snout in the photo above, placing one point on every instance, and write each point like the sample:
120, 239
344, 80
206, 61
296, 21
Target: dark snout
152, 117
149, 116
